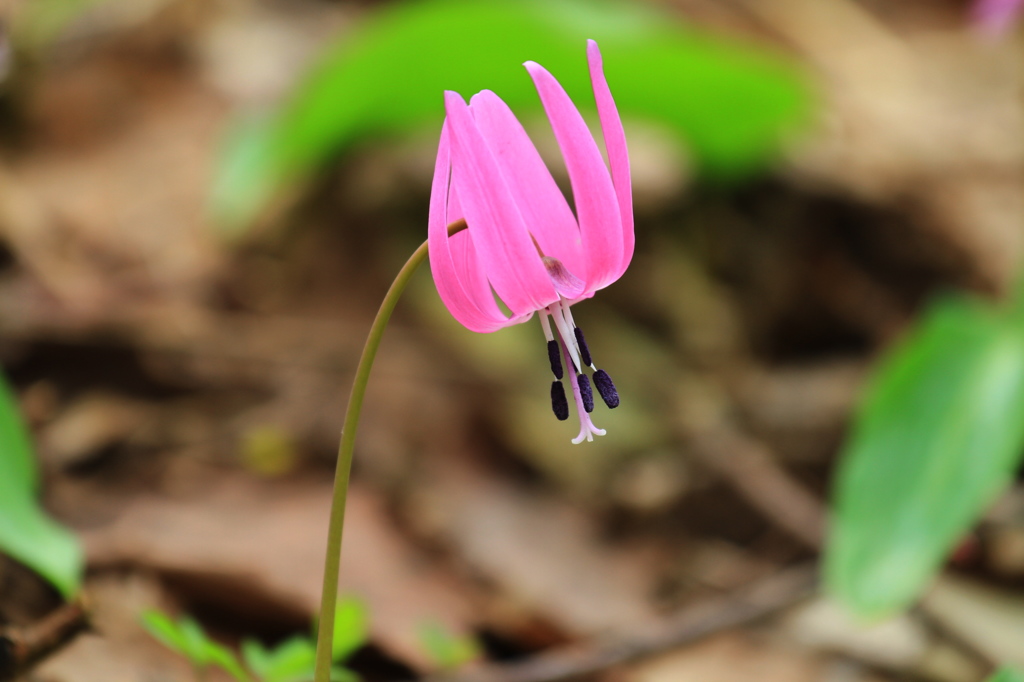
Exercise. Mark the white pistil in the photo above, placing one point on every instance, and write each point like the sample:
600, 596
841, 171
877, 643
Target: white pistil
587, 428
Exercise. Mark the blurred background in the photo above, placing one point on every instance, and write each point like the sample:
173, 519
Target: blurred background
202, 203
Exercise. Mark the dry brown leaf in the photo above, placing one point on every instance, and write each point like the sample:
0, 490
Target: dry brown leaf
541, 550
265, 542
732, 658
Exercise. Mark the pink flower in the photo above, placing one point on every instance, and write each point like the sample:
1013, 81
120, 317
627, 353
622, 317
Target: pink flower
523, 242
995, 16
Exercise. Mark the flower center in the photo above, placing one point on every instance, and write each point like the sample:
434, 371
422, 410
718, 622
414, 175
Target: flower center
572, 346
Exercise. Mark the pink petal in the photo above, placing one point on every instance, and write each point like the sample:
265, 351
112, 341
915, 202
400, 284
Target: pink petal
460, 283
618, 155
596, 205
543, 207
503, 244
471, 272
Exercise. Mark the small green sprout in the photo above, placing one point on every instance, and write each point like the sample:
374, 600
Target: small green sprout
293, 660
186, 637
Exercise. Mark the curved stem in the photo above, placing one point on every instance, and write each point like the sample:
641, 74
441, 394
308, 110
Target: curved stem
332, 562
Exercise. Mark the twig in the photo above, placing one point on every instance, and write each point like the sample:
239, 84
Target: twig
23, 647
764, 598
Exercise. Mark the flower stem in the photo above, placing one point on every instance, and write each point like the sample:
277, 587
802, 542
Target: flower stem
332, 562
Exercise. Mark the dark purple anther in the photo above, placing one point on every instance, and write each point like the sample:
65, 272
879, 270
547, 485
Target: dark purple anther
585, 392
606, 388
556, 362
559, 404
582, 343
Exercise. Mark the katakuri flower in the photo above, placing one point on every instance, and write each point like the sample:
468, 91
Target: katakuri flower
523, 243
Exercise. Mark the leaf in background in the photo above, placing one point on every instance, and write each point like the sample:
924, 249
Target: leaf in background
166, 631
219, 655
256, 657
446, 649
342, 674
293, 660
938, 435
730, 105
188, 638
1007, 675
26, 532
351, 621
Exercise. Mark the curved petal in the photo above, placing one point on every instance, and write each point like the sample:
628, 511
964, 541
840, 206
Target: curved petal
618, 154
460, 282
596, 205
471, 272
543, 207
503, 244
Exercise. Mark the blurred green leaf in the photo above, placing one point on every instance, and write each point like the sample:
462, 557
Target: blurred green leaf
1007, 675
343, 674
294, 660
351, 622
26, 532
730, 105
166, 631
219, 655
448, 650
938, 435
186, 637
256, 657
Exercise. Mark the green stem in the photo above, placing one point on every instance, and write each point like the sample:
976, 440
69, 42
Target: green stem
332, 563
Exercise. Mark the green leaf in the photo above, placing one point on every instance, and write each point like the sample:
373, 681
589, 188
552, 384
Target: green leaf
188, 638
294, 660
166, 631
447, 650
351, 623
1007, 675
195, 640
26, 532
939, 434
343, 674
219, 655
184, 636
256, 657
729, 105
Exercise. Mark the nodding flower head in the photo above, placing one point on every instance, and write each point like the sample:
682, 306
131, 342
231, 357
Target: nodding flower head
523, 243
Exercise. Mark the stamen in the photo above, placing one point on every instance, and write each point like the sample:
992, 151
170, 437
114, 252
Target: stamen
559, 404
556, 361
566, 334
585, 392
545, 324
606, 388
578, 343
582, 343
567, 311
